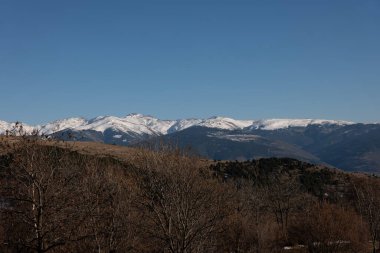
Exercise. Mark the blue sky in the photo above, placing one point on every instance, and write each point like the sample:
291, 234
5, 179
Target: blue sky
190, 58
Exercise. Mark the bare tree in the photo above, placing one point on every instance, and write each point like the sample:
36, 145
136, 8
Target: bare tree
181, 208
108, 194
282, 196
327, 228
367, 193
42, 188
245, 230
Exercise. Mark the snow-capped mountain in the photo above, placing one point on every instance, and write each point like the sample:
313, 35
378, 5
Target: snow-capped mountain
4, 126
346, 145
148, 125
274, 124
225, 123
59, 125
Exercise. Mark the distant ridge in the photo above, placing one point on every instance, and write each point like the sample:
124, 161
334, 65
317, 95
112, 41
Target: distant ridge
342, 144
145, 124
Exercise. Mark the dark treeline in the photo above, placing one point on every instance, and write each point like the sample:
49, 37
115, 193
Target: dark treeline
53, 199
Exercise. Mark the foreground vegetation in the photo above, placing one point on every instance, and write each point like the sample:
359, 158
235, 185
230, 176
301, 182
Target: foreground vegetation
54, 198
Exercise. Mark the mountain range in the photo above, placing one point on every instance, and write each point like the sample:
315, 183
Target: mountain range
342, 144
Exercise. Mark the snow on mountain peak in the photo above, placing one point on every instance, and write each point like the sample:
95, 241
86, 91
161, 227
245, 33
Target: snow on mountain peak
225, 123
59, 125
136, 115
139, 124
136, 123
4, 126
274, 124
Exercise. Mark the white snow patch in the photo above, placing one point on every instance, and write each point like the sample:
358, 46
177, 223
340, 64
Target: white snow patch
236, 137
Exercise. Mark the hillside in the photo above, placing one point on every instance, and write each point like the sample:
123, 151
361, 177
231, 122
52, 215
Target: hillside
352, 147
94, 196
341, 144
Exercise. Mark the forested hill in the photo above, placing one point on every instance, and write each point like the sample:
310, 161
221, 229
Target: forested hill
65, 197
320, 181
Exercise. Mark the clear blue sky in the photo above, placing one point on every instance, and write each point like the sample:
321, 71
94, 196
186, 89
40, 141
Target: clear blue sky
190, 58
